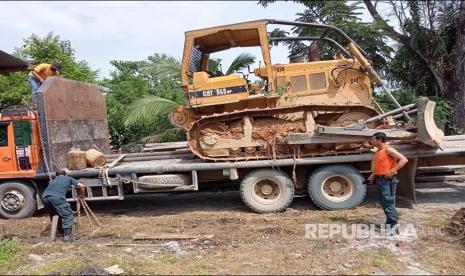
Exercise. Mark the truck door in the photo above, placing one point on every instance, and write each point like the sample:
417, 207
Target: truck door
7, 162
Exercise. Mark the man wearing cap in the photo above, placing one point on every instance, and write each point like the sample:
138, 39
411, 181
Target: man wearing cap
54, 198
386, 162
41, 72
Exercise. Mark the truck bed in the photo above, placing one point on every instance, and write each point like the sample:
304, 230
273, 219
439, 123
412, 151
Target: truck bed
451, 146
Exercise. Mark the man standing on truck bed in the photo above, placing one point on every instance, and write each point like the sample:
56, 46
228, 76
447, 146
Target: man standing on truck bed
54, 198
41, 72
386, 162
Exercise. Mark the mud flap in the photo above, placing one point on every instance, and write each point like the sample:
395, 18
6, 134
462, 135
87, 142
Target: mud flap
427, 131
40, 204
406, 186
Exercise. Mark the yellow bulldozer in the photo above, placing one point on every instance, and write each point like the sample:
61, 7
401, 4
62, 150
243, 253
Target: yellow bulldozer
304, 108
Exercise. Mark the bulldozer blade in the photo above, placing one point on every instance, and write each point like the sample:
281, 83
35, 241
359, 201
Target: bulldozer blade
427, 131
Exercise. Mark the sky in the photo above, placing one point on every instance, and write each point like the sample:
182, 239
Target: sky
105, 31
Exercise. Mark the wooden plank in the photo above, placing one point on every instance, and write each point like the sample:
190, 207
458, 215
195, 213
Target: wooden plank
53, 230
160, 146
165, 237
439, 178
434, 169
110, 157
161, 157
310, 138
119, 158
390, 133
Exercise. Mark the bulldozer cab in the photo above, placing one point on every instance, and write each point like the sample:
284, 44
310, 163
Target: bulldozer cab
306, 77
204, 87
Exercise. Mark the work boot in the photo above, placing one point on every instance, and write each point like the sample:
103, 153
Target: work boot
67, 235
393, 229
382, 226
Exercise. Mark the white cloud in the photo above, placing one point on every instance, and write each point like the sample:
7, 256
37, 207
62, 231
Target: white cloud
103, 31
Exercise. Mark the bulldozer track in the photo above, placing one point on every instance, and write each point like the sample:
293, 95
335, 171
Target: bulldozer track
274, 149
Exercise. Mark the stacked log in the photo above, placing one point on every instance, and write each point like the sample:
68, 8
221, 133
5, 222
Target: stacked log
164, 146
440, 174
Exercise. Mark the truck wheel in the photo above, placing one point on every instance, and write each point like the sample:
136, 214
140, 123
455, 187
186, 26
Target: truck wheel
266, 190
17, 200
336, 187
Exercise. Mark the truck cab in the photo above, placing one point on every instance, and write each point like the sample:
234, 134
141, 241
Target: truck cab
20, 150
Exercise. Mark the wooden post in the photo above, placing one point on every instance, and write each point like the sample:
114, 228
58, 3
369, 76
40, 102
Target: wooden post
53, 230
406, 186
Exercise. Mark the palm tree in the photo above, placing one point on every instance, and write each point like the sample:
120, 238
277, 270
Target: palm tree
153, 111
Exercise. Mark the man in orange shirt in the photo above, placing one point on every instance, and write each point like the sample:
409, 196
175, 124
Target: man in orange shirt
37, 76
386, 162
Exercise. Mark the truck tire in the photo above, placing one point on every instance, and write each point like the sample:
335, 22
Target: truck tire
17, 200
164, 181
336, 187
266, 191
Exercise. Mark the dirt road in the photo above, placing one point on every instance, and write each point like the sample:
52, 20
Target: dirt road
233, 240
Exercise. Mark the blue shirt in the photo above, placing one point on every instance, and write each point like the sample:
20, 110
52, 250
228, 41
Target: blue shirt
59, 186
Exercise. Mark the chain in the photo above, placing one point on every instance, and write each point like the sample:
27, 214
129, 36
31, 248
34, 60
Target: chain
47, 168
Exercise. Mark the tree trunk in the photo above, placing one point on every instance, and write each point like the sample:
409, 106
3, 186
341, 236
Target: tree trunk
456, 87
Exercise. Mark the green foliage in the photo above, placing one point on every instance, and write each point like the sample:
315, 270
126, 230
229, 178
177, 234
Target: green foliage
161, 67
442, 111
139, 96
51, 49
10, 254
240, 62
344, 15
14, 88
214, 64
145, 109
125, 85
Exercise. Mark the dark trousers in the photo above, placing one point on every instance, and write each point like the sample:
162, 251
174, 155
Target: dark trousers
62, 208
387, 197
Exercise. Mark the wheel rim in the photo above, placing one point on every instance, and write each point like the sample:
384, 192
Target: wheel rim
337, 188
12, 201
266, 191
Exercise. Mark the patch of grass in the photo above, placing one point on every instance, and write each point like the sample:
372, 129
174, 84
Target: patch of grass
11, 255
443, 260
60, 266
384, 260
201, 270
165, 257
320, 245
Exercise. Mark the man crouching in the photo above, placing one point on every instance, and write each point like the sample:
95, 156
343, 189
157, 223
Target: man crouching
54, 198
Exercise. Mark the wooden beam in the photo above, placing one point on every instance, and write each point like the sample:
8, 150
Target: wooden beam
439, 178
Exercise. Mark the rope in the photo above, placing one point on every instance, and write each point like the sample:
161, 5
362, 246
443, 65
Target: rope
91, 217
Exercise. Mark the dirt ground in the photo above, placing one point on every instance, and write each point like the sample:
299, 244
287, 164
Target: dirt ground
232, 240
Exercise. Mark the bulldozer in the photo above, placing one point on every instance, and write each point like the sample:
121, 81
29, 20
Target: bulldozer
308, 107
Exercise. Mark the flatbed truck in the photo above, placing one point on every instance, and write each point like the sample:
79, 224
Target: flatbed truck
68, 114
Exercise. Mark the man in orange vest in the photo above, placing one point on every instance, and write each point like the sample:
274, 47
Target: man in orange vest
386, 162
42, 71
